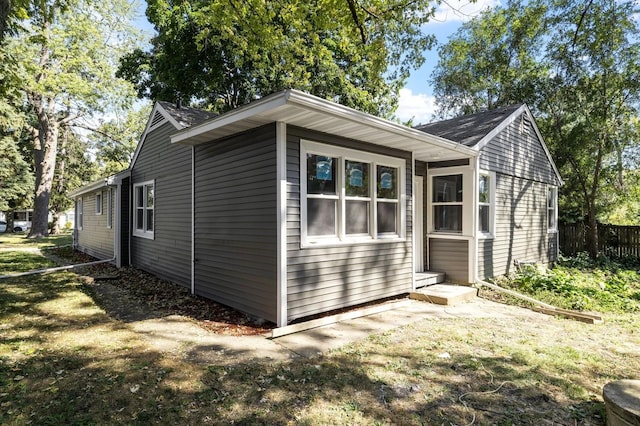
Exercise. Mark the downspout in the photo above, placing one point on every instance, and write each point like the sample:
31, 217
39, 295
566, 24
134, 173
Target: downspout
115, 208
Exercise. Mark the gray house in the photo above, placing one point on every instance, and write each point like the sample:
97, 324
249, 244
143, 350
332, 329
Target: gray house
292, 205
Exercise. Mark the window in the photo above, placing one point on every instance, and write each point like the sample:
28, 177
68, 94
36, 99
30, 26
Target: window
486, 202
349, 195
109, 213
79, 213
447, 203
99, 203
552, 209
143, 194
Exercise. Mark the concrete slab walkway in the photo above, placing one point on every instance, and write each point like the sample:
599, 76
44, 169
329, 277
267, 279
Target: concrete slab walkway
184, 338
317, 341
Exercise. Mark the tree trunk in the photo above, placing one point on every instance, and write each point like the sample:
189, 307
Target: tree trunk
592, 232
44, 155
55, 225
9, 217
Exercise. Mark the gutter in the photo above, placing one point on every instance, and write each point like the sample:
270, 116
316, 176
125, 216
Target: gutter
58, 268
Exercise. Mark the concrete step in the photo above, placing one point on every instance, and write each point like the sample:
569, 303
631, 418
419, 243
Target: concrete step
429, 278
445, 294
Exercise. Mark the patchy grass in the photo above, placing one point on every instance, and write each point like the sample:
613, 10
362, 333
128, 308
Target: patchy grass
65, 360
20, 240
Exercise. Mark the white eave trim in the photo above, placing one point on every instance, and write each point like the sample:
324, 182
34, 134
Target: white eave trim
310, 103
109, 181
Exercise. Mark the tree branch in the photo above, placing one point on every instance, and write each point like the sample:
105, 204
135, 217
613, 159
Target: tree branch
582, 16
356, 20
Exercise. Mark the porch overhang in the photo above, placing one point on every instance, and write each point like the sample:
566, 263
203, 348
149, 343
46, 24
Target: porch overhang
307, 111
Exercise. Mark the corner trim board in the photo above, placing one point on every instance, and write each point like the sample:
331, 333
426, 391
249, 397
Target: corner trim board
281, 197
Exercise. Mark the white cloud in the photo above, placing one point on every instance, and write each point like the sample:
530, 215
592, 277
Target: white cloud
461, 10
418, 106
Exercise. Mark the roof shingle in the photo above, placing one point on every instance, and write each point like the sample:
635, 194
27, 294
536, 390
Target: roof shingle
469, 129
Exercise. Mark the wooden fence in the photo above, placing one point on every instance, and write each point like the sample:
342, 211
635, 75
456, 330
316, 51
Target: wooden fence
613, 240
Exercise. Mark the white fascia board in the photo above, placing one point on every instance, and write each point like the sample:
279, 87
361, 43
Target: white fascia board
93, 186
321, 106
544, 146
244, 112
500, 127
331, 108
524, 109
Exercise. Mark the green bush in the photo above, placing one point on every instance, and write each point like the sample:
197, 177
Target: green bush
582, 283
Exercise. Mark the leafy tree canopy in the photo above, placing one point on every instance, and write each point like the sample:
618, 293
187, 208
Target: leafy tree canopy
578, 66
225, 53
65, 55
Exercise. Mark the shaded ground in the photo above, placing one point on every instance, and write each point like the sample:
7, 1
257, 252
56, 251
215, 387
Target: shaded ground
73, 352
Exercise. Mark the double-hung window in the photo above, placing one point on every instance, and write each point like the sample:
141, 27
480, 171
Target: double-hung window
486, 203
349, 195
143, 218
447, 203
552, 208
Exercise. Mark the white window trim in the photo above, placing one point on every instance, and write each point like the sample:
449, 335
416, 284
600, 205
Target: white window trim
143, 233
491, 204
80, 213
109, 212
342, 154
468, 209
554, 229
99, 203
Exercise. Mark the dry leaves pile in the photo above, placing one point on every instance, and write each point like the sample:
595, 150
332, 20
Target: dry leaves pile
166, 298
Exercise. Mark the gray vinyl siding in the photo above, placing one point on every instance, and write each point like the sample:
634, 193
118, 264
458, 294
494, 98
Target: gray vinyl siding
236, 224
95, 238
450, 256
326, 278
521, 228
518, 153
168, 255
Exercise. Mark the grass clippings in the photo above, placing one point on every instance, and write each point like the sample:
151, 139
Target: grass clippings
66, 359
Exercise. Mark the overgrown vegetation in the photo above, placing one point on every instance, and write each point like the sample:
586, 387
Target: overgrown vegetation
65, 358
584, 284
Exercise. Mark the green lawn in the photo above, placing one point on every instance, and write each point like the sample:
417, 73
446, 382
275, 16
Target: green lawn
65, 360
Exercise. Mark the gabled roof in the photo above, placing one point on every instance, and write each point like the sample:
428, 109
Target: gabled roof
477, 130
179, 117
311, 112
185, 116
470, 129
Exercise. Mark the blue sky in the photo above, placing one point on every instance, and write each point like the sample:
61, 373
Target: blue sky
416, 98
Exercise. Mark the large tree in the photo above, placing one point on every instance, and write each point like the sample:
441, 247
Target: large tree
225, 53
577, 65
593, 97
66, 52
492, 60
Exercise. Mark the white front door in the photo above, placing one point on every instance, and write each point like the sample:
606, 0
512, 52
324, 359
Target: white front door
418, 225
